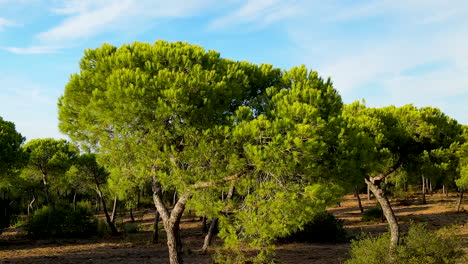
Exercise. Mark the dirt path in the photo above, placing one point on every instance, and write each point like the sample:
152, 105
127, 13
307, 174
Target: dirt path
134, 248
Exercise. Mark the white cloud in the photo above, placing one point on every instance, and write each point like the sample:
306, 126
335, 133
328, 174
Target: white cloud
260, 12
32, 50
6, 23
89, 18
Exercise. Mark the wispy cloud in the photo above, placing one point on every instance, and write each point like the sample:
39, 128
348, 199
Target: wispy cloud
32, 49
85, 19
89, 18
6, 23
259, 13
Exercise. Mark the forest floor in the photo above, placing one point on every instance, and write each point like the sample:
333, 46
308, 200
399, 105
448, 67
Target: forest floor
16, 247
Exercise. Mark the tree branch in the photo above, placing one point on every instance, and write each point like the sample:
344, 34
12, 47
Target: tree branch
236, 176
383, 175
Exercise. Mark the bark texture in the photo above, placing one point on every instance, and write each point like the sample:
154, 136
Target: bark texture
171, 222
209, 236
388, 213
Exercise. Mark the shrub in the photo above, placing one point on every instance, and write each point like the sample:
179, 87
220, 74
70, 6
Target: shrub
62, 222
103, 229
131, 228
419, 246
323, 228
372, 214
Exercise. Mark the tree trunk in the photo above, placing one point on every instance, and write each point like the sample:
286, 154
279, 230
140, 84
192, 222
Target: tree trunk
389, 214
114, 210
171, 222
132, 219
214, 222
204, 226
430, 186
46, 191
106, 213
460, 200
356, 194
74, 200
155, 237
209, 236
30, 205
423, 190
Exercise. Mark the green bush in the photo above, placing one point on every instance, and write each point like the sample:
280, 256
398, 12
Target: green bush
131, 228
62, 222
419, 246
323, 228
372, 214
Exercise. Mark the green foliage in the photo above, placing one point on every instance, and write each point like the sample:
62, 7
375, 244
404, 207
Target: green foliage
64, 222
372, 214
323, 228
103, 229
12, 157
462, 180
419, 246
131, 228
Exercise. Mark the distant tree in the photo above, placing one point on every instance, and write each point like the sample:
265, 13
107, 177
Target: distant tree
462, 181
88, 171
405, 138
49, 160
12, 158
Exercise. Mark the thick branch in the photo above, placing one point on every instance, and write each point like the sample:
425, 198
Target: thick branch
220, 181
382, 175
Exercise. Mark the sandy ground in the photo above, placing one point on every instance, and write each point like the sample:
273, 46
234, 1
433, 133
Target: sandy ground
15, 247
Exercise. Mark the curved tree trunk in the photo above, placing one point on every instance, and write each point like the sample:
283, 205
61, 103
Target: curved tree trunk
30, 205
106, 213
389, 214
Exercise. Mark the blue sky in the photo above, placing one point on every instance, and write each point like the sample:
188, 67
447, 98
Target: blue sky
386, 52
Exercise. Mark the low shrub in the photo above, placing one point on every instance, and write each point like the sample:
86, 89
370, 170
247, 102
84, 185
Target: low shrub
131, 228
372, 214
419, 246
62, 222
323, 228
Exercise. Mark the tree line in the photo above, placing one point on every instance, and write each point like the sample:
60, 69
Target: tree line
257, 149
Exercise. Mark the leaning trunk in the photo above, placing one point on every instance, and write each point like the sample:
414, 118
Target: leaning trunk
389, 214
209, 236
356, 193
460, 200
114, 210
106, 213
